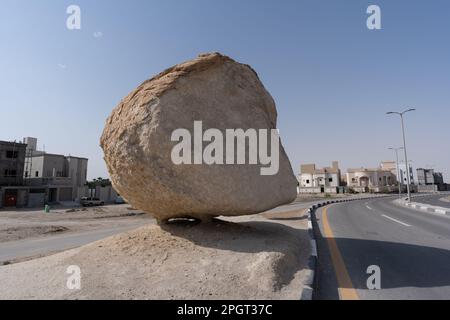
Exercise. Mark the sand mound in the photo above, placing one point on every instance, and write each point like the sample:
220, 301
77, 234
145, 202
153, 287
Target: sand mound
184, 260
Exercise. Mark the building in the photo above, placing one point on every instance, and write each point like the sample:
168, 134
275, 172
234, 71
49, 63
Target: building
63, 176
430, 181
77, 171
390, 166
39, 177
425, 177
438, 178
403, 174
400, 172
107, 194
320, 180
12, 159
371, 180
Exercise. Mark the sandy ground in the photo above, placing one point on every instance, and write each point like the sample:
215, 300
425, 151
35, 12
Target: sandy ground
31, 223
255, 257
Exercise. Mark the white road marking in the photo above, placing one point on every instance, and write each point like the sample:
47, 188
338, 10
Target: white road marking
395, 220
313, 248
368, 207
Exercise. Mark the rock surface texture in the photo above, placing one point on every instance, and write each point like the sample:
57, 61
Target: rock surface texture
221, 93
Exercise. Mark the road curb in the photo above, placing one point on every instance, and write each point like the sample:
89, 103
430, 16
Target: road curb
427, 208
310, 284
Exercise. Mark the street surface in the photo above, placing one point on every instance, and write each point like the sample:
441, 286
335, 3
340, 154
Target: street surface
411, 248
434, 200
28, 248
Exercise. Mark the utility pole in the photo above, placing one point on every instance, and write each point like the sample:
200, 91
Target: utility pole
398, 171
404, 149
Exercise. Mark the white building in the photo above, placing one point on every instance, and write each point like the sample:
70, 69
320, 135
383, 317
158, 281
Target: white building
319, 180
404, 175
61, 177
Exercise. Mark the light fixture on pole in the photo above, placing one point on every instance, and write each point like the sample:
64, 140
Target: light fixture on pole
404, 149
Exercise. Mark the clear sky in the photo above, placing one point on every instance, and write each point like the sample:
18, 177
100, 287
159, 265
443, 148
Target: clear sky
332, 79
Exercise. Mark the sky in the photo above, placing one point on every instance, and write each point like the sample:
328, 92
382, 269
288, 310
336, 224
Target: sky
332, 78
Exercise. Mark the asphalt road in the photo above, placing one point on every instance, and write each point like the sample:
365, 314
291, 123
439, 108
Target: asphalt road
411, 248
42, 246
434, 200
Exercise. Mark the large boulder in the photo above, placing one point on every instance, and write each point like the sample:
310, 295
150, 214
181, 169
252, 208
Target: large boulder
138, 142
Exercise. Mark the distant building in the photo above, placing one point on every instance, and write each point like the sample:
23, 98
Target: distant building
425, 177
390, 166
404, 175
12, 159
430, 181
320, 180
438, 178
62, 175
38, 177
380, 179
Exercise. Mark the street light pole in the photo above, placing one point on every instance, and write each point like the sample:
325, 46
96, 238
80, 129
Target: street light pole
404, 149
398, 171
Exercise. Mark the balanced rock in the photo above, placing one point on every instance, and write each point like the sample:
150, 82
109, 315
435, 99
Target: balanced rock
164, 150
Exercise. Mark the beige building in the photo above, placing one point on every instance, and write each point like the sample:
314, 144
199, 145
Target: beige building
319, 180
389, 166
382, 179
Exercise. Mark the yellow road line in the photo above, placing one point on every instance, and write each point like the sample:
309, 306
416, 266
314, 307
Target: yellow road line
346, 289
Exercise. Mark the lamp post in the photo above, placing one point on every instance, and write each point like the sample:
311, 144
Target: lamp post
398, 171
404, 148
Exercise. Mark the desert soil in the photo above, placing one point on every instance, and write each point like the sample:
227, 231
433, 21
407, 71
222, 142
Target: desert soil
255, 257
35, 223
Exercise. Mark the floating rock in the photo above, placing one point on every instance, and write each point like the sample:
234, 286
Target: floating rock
210, 92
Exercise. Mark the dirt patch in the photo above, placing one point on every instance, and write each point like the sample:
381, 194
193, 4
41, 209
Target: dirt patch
26, 223
285, 215
249, 258
18, 233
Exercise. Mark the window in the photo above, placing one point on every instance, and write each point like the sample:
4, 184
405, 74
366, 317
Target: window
353, 179
37, 190
307, 181
10, 173
26, 174
12, 154
36, 174
330, 180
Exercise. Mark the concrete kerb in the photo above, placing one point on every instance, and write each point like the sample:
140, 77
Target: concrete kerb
311, 279
422, 207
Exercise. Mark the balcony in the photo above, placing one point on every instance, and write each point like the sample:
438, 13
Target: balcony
52, 181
